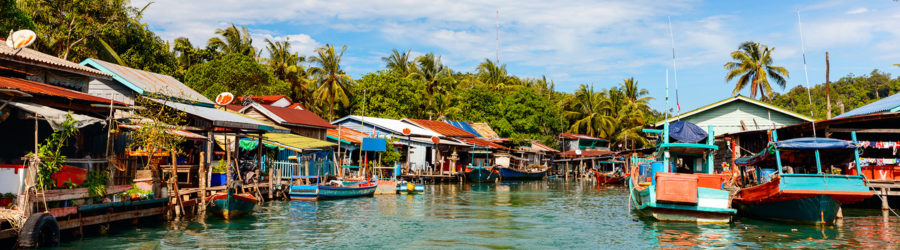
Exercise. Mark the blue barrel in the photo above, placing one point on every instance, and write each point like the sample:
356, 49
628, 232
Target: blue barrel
765, 174
657, 167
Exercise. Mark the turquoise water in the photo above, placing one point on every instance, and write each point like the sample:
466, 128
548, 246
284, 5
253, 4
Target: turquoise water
530, 215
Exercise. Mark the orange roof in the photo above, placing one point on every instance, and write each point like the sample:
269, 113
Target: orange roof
481, 143
296, 105
33, 87
579, 136
442, 128
347, 134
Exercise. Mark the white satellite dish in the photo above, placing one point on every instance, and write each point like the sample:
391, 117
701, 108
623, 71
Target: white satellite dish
21, 39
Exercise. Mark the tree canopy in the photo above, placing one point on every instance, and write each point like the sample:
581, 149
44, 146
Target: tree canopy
235, 73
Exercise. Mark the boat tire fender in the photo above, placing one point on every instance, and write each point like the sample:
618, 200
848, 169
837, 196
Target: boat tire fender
40, 230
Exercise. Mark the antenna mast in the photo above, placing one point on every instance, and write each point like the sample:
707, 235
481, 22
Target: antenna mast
498, 36
808, 95
675, 70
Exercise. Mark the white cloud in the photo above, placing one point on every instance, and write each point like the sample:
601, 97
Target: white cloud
858, 11
301, 43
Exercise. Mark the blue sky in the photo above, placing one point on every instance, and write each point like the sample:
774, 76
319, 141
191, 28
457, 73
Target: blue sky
571, 42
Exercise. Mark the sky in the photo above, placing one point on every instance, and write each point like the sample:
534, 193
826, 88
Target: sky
596, 43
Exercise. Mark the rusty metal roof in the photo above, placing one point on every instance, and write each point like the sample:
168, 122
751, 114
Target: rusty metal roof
347, 135
440, 127
484, 130
542, 147
290, 117
33, 57
579, 137
38, 88
482, 143
178, 132
144, 82
586, 153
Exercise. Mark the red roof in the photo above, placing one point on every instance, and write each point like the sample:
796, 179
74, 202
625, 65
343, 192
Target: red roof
442, 128
586, 153
481, 143
235, 108
542, 147
579, 136
295, 105
38, 88
298, 117
347, 134
266, 99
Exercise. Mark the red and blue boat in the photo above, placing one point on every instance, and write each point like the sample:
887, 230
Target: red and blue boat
230, 205
808, 198
679, 185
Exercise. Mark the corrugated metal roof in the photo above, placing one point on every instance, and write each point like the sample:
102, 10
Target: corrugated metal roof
586, 153
887, 104
48, 61
295, 142
579, 137
732, 99
143, 81
33, 87
186, 134
542, 147
347, 134
395, 126
464, 126
440, 127
218, 117
286, 116
482, 143
296, 106
484, 130
266, 99
442, 141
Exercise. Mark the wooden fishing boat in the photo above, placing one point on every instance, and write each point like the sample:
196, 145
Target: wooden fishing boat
347, 191
607, 178
230, 205
406, 187
482, 174
807, 198
507, 173
696, 196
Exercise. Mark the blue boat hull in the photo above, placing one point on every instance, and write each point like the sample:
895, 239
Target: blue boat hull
305, 192
511, 174
810, 210
479, 174
329, 192
231, 205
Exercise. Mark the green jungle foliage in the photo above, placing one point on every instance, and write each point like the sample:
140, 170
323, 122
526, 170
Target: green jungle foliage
52, 159
850, 91
235, 73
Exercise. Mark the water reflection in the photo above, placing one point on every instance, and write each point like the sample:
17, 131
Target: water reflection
535, 214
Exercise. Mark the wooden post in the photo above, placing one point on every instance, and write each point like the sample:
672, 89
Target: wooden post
567, 171
180, 208
202, 181
228, 163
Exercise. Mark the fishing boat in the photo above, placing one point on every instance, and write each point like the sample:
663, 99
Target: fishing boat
230, 205
609, 178
408, 187
680, 185
533, 172
770, 193
482, 174
332, 190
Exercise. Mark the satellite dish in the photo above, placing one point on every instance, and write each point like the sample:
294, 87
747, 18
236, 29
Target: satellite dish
435, 139
21, 39
578, 152
407, 131
224, 98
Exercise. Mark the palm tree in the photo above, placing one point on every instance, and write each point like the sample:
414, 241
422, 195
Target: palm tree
331, 80
235, 41
493, 75
637, 97
436, 76
289, 67
753, 64
587, 108
399, 64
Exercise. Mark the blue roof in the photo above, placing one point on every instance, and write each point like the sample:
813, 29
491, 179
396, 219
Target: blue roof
887, 104
465, 126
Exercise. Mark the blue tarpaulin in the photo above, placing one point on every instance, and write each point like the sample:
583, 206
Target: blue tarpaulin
814, 143
801, 152
374, 144
464, 126
686, 132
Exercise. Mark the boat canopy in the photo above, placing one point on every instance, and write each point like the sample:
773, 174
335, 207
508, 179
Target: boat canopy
686, 132
802, 152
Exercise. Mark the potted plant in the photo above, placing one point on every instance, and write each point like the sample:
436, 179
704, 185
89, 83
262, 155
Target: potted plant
7, 199
218, 175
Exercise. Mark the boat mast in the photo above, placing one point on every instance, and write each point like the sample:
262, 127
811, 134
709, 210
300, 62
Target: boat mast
675, 70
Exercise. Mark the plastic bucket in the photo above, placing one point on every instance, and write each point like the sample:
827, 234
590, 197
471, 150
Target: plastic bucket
657, 167
766, 174
218, 179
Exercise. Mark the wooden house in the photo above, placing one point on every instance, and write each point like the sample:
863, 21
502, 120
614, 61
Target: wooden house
738, 113
572, 142
300, 121
126, 83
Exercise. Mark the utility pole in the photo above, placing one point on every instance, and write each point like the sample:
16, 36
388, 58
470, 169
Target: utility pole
827, 88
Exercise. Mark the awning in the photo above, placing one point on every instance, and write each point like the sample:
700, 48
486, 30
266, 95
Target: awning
802, 152
288, 141
218, 117
55, 116
178, 132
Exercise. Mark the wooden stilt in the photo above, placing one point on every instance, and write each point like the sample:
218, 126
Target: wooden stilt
203, 165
